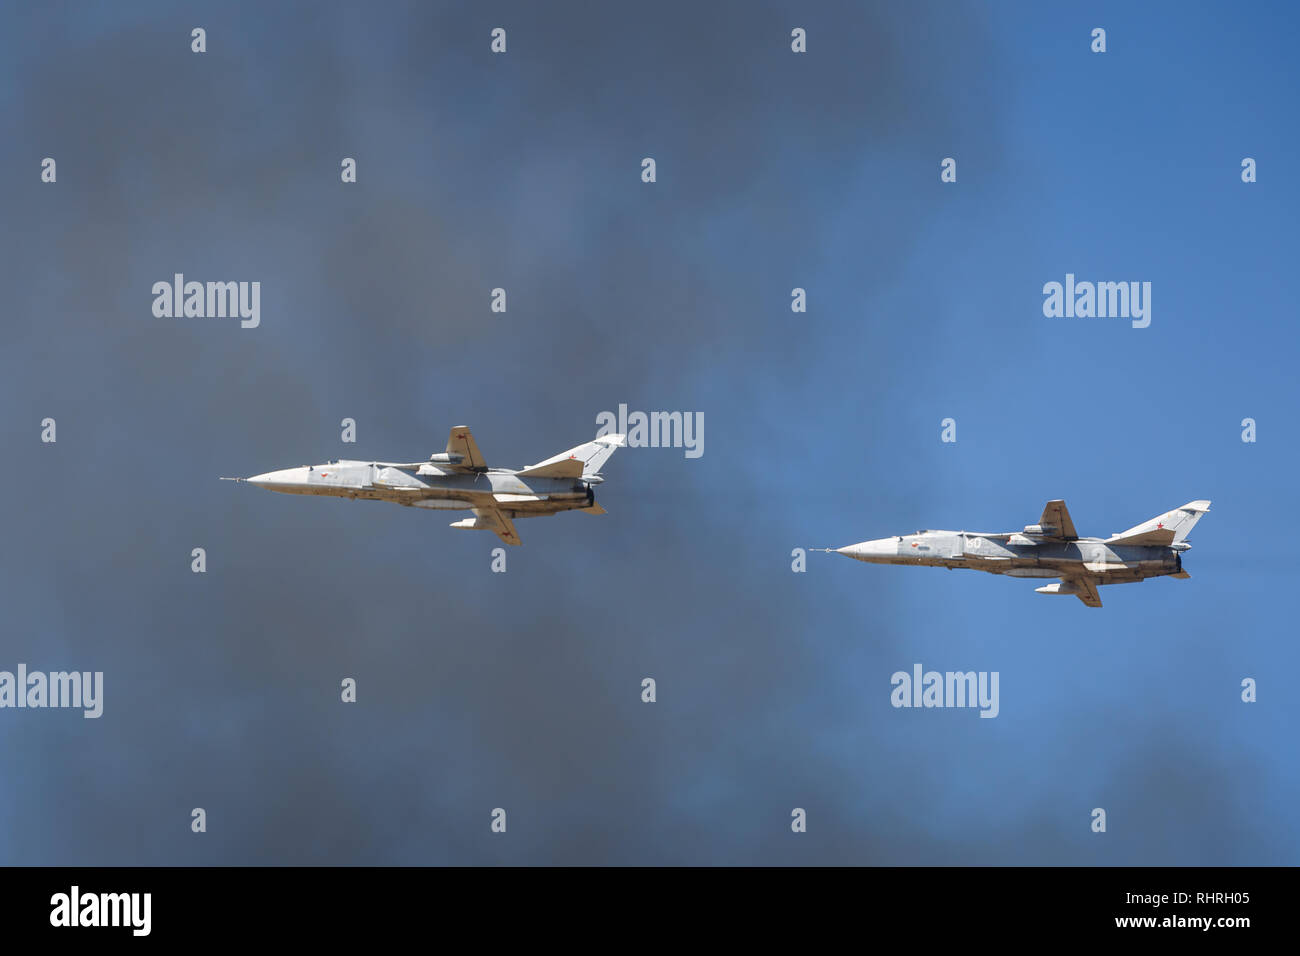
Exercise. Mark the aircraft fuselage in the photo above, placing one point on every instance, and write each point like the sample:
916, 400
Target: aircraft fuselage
1019, 555
428, 486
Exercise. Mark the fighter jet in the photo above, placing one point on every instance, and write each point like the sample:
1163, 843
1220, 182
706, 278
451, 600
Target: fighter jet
458, 479
1050, 549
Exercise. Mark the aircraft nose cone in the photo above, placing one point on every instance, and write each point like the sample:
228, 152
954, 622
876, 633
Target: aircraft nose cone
275, 479
871, 550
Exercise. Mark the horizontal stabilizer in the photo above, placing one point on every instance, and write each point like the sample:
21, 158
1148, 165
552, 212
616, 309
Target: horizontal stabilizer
1159, 538
594, 509
564, 468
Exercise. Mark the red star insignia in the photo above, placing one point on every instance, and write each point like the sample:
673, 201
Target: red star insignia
1160, 524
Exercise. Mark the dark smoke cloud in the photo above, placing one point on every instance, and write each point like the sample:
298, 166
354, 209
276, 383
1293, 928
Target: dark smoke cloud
475, 690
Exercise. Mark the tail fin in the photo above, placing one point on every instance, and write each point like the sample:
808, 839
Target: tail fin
591, 456
1166, 529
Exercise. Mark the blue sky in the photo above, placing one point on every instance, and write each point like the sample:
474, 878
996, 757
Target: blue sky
521, 690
